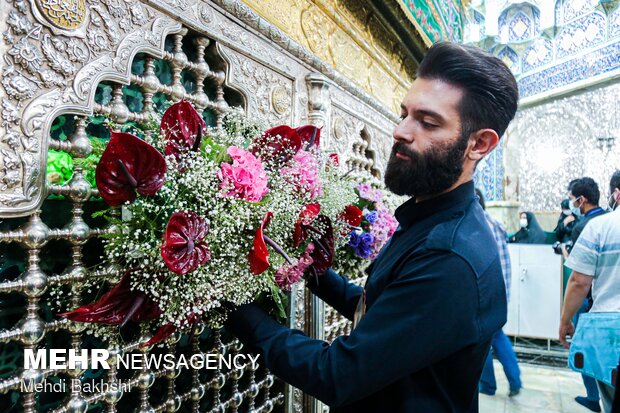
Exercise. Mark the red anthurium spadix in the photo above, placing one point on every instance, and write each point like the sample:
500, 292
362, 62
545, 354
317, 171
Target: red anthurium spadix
129, 166
310, 136
184, 248
352, 215
117, 306
182, 128
307, 215
166, 330
259, 255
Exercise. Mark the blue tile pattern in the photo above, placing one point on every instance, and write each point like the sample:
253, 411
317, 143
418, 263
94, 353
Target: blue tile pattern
605, 60
539, 53
582, 42
581, 34
572, 9
510, 58
489, 175
614, 23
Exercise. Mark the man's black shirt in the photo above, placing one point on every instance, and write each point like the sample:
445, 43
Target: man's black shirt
435, 296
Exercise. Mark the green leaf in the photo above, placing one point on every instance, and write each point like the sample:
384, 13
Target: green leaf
276, 294
101, 213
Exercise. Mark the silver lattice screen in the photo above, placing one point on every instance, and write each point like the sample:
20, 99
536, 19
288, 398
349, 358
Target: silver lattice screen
54, 249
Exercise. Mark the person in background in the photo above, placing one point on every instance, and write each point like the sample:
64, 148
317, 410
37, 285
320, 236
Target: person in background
530, 232
500, 344
566, 222
583, 197
595, 260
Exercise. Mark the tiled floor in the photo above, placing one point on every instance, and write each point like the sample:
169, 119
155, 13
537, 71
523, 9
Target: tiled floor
545, 390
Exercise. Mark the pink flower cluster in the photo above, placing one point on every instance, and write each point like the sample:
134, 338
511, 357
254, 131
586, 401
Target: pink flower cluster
382, 229
246, 178
288, 274
304, 173
369, 193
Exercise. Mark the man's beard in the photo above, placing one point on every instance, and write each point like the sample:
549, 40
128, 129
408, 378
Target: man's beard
431, 172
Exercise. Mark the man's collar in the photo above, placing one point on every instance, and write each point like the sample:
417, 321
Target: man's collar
410, 212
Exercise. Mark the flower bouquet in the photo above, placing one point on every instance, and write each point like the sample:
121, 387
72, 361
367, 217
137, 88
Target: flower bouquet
373, 227
212, 217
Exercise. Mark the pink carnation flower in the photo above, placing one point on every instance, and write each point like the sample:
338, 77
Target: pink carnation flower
246, 178
304, 173
382, 229
289, 274
368, 193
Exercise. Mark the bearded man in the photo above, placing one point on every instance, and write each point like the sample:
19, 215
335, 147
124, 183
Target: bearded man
435, 294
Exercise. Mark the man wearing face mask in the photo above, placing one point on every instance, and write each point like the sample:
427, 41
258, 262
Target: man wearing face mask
595, 261
583, 197
435, 295
583, 200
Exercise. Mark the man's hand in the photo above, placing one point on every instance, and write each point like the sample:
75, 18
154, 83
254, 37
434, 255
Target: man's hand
569, 219
567, 328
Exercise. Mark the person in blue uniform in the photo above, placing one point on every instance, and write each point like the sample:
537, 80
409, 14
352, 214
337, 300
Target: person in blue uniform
435, 294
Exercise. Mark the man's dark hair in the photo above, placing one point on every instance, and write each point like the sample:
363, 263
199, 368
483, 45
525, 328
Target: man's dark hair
480, 198
490, 92
571, 183
587, 188
614, 182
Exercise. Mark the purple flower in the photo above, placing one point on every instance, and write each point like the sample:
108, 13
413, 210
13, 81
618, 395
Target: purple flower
363, 252
367, 238
354, 239
371, 217
362, 243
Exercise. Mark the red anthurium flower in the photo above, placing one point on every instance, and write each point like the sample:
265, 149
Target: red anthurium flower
284, 147
259, 255
129, 166
117, 306
310, 136
182, 127
323, 253
352, 215
184, 248
307, 215
166, 331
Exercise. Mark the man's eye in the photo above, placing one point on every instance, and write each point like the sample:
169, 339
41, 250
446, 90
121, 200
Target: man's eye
428, 125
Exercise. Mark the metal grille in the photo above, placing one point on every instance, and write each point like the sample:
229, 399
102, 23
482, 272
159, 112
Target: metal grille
36, 246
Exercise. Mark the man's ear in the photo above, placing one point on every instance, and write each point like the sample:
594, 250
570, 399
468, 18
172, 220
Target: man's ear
481, 143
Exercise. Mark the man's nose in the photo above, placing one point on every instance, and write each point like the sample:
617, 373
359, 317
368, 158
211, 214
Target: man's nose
401, 134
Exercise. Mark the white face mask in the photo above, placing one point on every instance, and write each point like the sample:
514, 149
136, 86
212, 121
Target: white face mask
566, 212
523, 222
576, 210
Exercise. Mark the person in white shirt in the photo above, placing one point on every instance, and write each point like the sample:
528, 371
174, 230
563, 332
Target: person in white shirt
595, 261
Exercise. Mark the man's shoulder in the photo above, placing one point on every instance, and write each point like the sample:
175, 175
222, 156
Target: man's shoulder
604, 222
468, 235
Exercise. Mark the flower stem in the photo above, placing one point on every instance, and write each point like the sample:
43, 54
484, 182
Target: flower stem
278, 249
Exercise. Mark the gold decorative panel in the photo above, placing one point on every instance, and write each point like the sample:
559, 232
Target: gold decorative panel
348, 35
